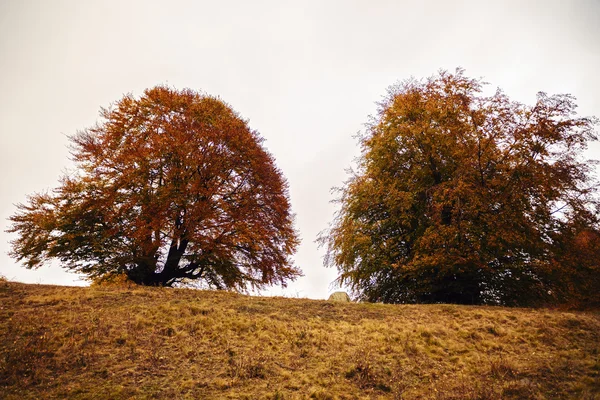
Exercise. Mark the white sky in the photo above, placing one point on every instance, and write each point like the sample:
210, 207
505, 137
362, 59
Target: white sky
306, 74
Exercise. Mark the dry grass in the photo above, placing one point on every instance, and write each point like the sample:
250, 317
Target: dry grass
151, 343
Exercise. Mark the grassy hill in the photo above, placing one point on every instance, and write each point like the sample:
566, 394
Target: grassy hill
155, 343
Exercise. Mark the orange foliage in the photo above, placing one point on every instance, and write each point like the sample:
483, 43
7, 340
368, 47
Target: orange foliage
171, 186
458, 197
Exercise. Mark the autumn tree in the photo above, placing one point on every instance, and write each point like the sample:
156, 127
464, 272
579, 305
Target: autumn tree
172, 186
463, 198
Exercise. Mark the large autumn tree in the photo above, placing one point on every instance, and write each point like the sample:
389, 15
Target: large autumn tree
172, 186
465, 198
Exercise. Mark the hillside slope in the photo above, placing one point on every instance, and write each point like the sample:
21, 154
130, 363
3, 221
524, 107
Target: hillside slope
155, 343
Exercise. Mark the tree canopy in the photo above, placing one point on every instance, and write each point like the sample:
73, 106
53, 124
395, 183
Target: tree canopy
464, 198
169, 187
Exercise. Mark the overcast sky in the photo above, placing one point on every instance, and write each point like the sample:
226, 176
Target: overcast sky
306, 74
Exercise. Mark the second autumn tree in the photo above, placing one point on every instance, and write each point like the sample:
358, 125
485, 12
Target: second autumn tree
465, 198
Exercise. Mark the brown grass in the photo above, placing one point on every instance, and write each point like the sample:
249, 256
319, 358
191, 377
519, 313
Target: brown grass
118, 342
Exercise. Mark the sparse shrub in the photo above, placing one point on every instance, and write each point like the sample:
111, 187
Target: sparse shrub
4, 284
167, 331
242, 366
494, 330
277, 396
366, 373
195, 310
521, 389
321, 395
502, 369
410, 347
114, 280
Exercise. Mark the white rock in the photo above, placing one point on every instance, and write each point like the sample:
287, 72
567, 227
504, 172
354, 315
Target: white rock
340, 296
